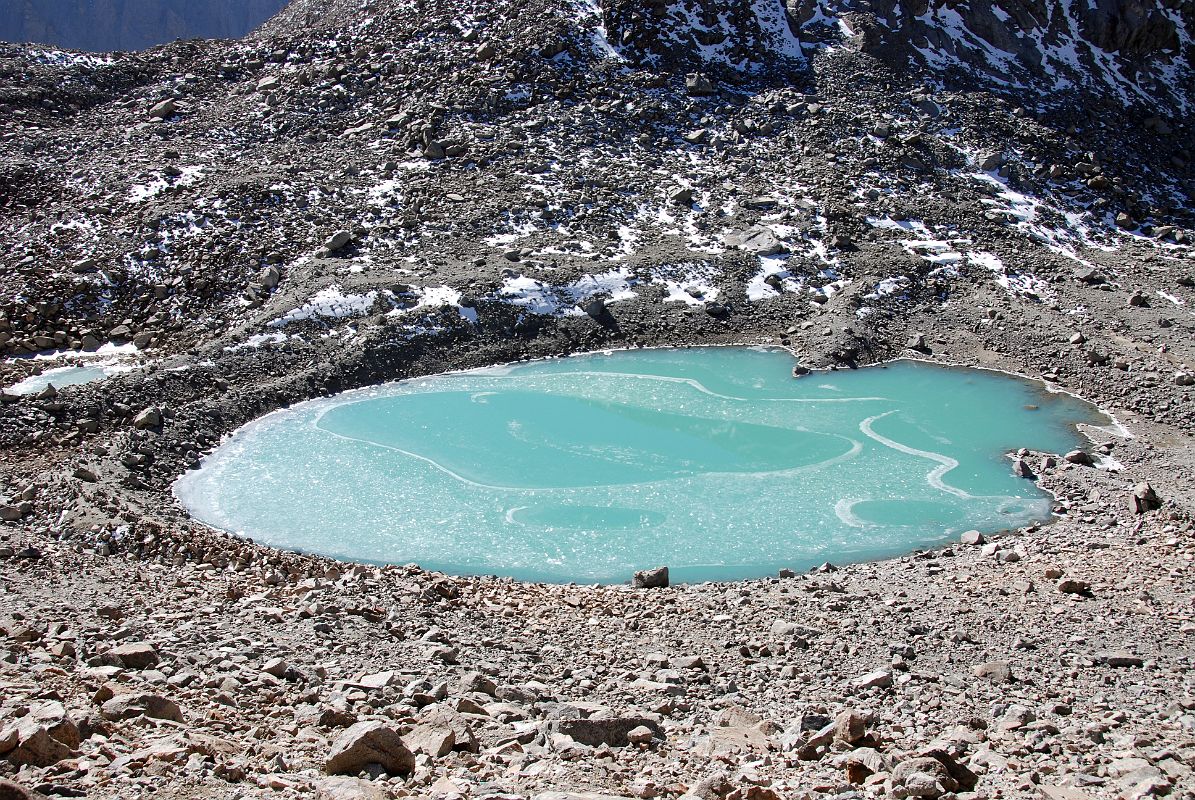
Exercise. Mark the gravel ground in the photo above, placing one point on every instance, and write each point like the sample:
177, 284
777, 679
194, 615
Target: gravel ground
254, 223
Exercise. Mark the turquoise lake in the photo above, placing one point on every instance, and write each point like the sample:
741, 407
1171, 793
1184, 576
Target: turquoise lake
60, 377
713, 460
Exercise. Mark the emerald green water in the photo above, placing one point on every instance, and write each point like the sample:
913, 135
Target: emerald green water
714, 461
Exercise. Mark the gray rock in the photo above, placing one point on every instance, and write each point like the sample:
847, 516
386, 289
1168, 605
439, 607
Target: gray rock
1118, 659
164, 109
149, 418
972, 538
758, 240
650, 578
1144, 499
921, 777
338, 241
697, 85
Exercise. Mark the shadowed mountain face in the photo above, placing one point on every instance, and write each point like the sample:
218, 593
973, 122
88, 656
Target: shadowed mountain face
104, 25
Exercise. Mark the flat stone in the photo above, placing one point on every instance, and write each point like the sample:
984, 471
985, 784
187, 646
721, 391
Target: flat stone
612, 732
881, 678
1118, 659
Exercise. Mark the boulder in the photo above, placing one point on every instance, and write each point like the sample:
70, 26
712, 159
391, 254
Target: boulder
1079, 457
849, 727
1073, 586
164, 109
921, 777
612, 732
697, 85
650, 578
973, 538
57, 722
15, 791
1118, 659
338, 241
1144, 499
440, 732
134, 655
369, 743
344, 788
136, 704
34, 745
149, 418
640, 736
994, 671
758, 240
881, 679
476, 682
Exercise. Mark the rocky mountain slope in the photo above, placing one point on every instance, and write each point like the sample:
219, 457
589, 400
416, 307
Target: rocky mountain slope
105, 25
365, 191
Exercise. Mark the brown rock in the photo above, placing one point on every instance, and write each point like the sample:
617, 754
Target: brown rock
612, 732
921, 777
369, 743
15, 791
994, 671
36, 747
1073, 586
849, 727
128, 706
134, 655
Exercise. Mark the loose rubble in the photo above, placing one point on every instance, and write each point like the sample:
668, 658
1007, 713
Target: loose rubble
360, 193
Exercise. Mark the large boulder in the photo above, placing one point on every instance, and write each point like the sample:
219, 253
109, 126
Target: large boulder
344, 788
611, 731
921, 777
134, 655
369, 743
33, 745
650, 578
15, 791
137, 704
441, 731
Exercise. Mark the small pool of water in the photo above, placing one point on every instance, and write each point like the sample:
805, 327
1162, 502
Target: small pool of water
60, 377
712, 460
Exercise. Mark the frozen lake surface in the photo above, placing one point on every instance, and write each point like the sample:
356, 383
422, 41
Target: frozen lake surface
60, 377
714, 461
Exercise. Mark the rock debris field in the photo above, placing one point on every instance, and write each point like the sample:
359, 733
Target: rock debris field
364, 192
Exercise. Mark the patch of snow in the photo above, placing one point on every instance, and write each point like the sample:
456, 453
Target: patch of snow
329, 303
